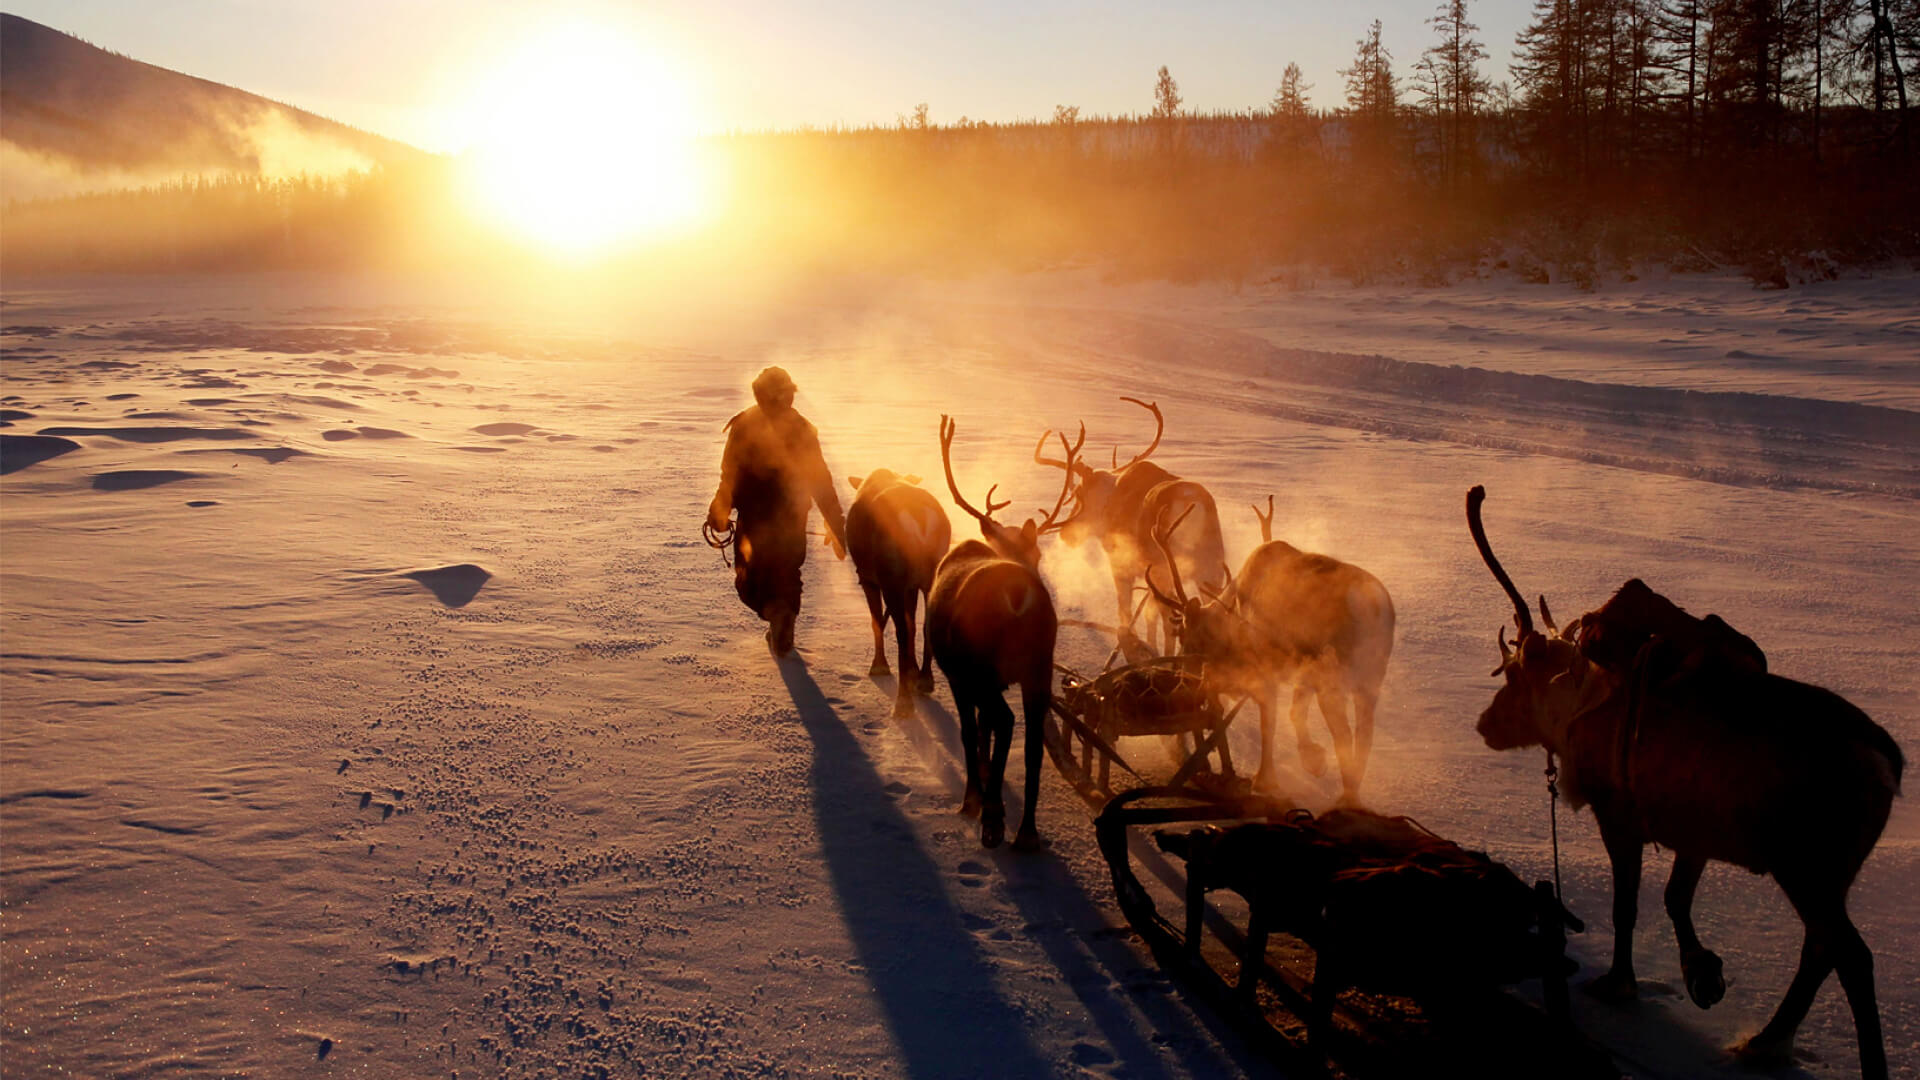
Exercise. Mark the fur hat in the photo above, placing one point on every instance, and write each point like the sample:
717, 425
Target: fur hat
773, 386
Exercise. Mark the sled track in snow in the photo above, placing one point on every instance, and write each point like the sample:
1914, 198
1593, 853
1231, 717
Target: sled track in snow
1742, 439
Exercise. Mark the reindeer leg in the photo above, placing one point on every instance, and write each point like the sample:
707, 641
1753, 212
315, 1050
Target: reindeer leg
1364, 702
1333, 708
1269, 716
1706, 984
997, 719
965, 705
924, 683
877, 609
1624, 851
1036, 697
903, 614
1831, 942
1312, 758
1123, 588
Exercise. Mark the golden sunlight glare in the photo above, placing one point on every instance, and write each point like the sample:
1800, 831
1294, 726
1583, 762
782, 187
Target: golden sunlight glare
581, 140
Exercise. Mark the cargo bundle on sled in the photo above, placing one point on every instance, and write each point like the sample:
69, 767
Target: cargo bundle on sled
1367, 903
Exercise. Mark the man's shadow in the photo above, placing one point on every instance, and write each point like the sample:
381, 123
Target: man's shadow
938, 990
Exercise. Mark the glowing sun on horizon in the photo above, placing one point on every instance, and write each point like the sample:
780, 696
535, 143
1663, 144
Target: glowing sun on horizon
581, 140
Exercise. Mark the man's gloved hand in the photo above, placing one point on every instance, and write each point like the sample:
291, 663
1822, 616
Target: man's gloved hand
717, 515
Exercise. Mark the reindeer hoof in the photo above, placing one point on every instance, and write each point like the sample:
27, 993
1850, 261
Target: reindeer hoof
903, 708
878, 669
924, 683
1706, 983
1028, 839
1313, 759
1613, 987
970, 806
993, 827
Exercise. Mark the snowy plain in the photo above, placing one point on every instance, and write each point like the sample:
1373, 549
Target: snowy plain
273, 807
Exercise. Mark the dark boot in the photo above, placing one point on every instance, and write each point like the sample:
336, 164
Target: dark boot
780, 632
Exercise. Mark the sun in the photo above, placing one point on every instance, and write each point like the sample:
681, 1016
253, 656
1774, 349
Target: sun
581, 140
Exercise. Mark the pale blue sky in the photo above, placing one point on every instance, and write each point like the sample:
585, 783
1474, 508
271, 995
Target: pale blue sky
396, 66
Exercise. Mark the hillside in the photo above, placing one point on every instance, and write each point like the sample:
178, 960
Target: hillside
77, 117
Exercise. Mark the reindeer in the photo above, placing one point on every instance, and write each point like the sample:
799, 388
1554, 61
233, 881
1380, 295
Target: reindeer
1292, 617
1120, 505
1696, 747
897, 534
991, 624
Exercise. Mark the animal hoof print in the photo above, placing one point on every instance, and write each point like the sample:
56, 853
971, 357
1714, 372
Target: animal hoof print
1706, 981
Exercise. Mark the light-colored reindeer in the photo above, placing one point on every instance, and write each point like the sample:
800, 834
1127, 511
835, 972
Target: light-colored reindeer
991, 624
1694, 746
1292, 617
1119, 506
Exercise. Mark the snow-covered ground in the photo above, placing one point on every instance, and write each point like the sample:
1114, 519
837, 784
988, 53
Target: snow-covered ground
272, 807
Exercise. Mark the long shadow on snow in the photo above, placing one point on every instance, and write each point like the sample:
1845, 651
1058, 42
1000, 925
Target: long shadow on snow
1069, 926
937, 989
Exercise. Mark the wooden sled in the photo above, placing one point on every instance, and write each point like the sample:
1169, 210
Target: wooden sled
1364, 945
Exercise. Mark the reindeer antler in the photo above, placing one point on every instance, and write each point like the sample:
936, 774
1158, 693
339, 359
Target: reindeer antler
1067, 464
1522, 618
1159, 427
1161, 532
947, 429
1266, 520
1048, 525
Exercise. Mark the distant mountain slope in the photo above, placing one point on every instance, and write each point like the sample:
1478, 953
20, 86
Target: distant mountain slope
76, 116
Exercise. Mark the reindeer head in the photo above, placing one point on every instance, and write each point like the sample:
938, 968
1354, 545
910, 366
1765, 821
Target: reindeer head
1204, 625
1548, 682
1095, 486
1022, 544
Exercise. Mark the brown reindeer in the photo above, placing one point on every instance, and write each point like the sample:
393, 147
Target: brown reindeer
1293, 617
1119, 507
991, 623
897, 534
1692, 745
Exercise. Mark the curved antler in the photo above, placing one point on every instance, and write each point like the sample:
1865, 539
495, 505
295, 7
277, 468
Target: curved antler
1161, 531
1547, 617
1266, 520
1159, 427
947, 429
1047, 524
1067, 464
1522, 618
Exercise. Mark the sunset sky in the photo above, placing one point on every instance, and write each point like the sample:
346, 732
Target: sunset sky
410, 68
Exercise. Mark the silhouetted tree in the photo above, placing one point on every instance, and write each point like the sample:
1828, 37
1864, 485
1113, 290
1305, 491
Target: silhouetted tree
1290, 102
1066, 115
1451, 83
1373, 96
1166, 96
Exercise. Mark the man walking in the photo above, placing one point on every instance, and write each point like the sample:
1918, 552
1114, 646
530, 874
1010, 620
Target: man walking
771, 474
